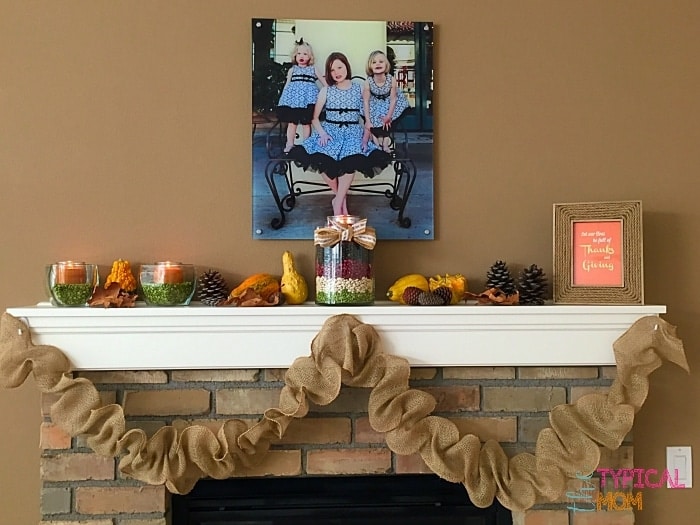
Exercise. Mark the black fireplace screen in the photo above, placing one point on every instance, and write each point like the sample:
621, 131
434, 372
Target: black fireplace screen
338, 500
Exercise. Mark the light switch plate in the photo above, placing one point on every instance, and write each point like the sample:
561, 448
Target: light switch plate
681, 459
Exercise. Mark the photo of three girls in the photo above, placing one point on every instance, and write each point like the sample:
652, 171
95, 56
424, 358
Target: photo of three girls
345, 126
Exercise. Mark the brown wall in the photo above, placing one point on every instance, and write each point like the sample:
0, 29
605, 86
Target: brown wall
125, 133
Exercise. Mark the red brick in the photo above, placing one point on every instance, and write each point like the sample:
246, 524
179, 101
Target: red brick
619, 517
120, 500
46, 401
166, 402
246, 400
557, 372
349, 461
364, 433
479, 372
454, 398
84, 522
608, 372
233, 376
274, 374
349, 400
412, 464
76, 467
523, 399
622, 457
420, 373
325, 430
126, 376
156, 521
275, 463
578, 391
503, 429
54, 437
541, 517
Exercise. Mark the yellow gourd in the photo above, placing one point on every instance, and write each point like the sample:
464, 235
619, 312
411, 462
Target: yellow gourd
395, 292
457, 283
121, 273
262, 284
294, 287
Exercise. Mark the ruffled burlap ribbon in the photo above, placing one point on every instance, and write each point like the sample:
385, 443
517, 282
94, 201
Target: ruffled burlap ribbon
347, 352
337, 231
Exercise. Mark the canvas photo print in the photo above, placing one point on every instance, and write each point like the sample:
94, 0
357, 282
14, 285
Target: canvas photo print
342, 124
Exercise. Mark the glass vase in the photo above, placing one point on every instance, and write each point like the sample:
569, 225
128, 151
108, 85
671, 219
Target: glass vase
344, 272
71, 283
167, 283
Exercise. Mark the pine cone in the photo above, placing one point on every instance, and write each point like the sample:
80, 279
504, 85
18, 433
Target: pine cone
499, 277
212, 288
532, 285
411, 294
445, 292
430, 299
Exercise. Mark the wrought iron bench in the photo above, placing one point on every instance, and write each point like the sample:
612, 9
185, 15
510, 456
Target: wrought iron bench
286, 188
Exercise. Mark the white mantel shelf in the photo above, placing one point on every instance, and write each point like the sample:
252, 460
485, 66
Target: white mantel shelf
201, 337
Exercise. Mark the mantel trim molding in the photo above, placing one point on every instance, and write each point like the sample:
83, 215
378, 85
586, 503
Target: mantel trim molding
202, 337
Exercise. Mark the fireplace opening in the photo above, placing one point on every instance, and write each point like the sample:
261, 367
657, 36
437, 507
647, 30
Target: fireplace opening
421, 499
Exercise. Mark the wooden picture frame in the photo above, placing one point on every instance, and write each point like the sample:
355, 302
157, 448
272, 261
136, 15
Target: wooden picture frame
598, 256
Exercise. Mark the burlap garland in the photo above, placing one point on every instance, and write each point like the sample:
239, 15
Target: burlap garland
347, 352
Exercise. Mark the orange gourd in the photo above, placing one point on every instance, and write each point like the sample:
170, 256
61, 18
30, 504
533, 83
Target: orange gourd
263, 284
121, 273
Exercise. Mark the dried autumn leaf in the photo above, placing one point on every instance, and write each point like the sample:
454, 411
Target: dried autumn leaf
128, 300
494, 296
113, 295
251, 298
105, 296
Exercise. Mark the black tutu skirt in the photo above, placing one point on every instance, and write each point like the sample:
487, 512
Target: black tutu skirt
295, 115
369, 165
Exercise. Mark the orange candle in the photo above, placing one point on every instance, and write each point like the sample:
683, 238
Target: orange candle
168, 273
70, 272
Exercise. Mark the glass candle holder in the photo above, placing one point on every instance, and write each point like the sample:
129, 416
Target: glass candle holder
167, 283
71, 283
344, 273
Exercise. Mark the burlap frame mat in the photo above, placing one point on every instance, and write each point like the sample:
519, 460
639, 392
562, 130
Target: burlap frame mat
348, 352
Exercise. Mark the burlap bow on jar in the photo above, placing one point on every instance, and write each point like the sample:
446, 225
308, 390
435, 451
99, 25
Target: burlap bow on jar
337, 231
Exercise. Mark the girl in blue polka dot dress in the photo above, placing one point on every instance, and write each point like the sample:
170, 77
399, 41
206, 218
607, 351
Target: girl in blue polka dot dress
296, 104
384, 102
339, 146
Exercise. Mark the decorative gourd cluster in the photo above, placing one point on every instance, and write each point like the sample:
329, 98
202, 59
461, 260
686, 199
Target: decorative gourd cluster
260, 289
417, 290
501, 288
119, 289
264, 289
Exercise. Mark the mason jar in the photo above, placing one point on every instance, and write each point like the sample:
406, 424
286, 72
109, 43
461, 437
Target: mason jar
344, 272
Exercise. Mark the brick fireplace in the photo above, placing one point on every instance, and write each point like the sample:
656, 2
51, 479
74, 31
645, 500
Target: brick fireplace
504, 403
494, 372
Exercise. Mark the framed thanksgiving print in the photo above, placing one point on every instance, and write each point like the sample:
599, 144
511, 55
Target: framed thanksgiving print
598, 257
